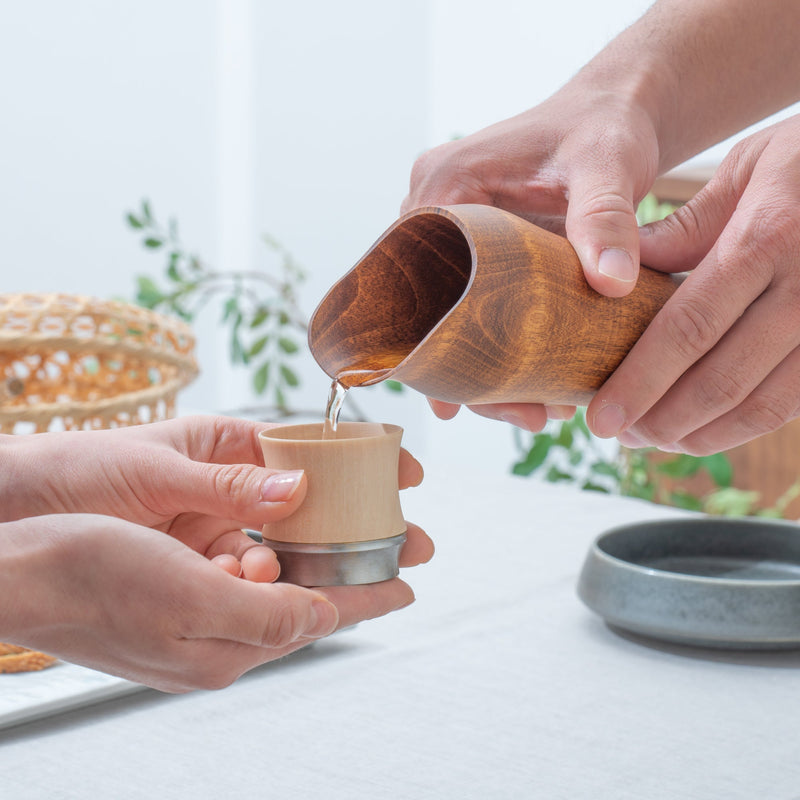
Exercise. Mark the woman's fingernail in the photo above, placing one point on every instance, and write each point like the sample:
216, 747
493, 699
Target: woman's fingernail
280, 487
617, 264
609, 421
405, 603
324, 618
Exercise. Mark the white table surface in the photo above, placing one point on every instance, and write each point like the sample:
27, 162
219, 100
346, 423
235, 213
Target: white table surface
496, 683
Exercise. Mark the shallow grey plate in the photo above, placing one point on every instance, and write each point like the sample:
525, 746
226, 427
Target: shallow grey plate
713, 582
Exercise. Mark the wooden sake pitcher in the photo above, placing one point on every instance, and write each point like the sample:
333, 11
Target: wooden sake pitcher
471, 304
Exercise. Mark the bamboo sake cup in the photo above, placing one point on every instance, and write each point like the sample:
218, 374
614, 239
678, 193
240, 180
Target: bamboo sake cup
350, 527
471, 304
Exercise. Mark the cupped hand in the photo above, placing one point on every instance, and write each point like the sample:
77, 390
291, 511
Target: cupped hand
578, 164
127, 600
200, 479
720, 363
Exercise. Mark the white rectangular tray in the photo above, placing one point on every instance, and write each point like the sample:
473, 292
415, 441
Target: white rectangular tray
27, 696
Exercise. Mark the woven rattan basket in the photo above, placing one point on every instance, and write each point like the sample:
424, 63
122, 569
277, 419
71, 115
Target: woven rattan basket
69, 362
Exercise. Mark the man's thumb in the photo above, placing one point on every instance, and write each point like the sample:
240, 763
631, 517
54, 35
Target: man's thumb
602, 227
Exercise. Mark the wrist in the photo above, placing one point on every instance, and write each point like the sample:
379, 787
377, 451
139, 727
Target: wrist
642, 93
12, 479
23, 564
30, 463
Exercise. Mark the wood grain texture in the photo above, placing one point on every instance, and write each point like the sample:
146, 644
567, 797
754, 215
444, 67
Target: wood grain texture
353, 493
472, 304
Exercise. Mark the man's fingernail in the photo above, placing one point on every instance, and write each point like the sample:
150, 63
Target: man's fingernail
609, 421
617, 264
673, 447
559, 412
324, 618
280, 487
517, 420
631, 440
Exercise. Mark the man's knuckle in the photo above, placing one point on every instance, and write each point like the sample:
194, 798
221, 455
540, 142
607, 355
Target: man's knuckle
762, 246
694, 327
607, 204
686, 221
718, 389
766, 413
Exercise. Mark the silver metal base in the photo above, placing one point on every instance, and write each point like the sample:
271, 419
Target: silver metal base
345, 564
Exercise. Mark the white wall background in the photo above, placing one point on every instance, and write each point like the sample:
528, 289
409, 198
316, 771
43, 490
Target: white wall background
247, 116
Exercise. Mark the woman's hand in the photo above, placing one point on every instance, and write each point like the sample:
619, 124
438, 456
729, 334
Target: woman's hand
199, 479
720, 364
127, 600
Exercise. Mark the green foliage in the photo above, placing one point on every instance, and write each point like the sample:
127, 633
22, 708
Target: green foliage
259, 309
567, 452
650, 210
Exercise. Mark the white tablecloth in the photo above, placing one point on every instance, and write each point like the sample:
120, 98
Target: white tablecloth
496, 683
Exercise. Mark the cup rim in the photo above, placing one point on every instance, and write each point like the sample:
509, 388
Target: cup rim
346, 432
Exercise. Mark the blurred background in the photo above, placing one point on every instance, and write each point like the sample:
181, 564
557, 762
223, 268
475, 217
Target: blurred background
247, 117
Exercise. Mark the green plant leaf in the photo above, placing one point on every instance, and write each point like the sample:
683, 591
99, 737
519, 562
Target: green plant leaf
719, 468
181, 311
535, 456
564, 438
231, 307
595, 487
394, 386
605, 468
642, 492
690, 502
172, 268
260, 317
153, 242
261, 378
134, 221
731, 502
682, 466
579, 423
238, 354
147, 213
289, 377
288, 345
556, 475
258, 346
148, 294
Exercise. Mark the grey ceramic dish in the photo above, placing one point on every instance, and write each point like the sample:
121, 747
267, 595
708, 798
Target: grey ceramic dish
708, 581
